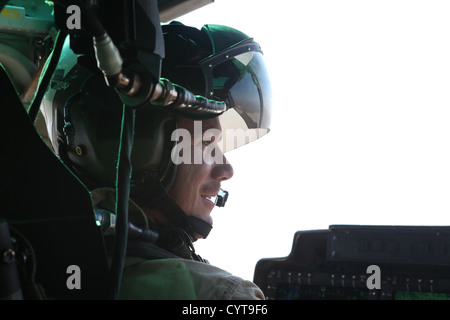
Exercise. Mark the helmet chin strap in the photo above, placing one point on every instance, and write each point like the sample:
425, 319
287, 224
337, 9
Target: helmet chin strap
191, 224
199, 226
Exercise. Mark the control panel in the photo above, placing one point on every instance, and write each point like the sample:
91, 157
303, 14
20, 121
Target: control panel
361, 263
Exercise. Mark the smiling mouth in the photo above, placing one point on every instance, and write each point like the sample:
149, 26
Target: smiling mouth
211, 198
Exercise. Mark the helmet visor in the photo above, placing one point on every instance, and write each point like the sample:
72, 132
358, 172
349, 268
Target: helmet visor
239, 77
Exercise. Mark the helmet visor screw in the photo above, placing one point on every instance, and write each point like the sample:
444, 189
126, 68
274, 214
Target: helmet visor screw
79, 150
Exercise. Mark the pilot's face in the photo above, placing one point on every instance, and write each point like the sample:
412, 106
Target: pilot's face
199, 179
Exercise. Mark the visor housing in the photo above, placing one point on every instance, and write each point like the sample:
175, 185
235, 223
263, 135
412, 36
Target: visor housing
239, 77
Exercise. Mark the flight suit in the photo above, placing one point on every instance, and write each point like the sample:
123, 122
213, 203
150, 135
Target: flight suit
151, 272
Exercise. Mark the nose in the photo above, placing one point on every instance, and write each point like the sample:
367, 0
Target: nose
222, 171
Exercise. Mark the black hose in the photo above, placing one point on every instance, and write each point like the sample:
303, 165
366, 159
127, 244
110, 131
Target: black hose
122, 194
48, 73
93, 25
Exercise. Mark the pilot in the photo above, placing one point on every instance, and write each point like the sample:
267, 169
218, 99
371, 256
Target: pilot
178, 161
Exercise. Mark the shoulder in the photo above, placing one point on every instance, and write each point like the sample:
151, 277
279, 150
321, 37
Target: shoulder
183, 279
216, 283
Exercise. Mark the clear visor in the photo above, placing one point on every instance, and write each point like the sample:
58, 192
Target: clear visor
242, 81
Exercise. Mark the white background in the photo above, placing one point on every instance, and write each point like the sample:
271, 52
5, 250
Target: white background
361, 123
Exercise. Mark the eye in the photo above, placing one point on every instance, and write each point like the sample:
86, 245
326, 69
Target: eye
207, 141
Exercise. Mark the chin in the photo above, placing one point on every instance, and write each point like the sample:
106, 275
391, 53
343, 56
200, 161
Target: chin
207, 219
196, 236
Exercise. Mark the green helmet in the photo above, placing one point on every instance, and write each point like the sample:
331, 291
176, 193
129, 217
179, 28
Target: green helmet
222, 63
83, 115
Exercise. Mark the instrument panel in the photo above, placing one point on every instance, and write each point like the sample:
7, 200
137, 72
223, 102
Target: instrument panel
349, 262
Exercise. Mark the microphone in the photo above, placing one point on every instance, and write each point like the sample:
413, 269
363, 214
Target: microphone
221, 198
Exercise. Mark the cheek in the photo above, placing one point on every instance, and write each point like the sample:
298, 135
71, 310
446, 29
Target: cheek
193, 174
187, 183
186, 174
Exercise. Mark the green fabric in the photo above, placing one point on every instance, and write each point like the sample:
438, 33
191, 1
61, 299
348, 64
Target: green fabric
156, 279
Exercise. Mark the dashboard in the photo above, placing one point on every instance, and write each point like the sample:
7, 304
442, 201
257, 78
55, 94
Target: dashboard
352, 262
